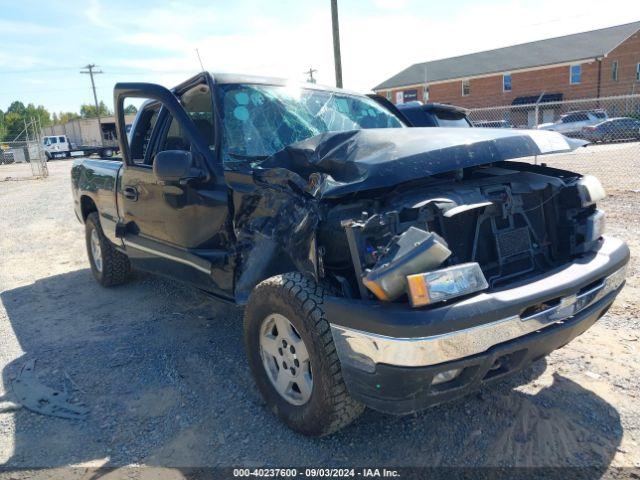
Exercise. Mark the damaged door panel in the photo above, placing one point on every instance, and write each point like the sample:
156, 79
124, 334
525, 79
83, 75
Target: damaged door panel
274, 224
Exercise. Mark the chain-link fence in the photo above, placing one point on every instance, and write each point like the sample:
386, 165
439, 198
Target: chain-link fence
24, 157
611, 124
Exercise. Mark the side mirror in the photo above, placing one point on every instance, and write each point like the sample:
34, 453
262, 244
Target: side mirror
174, 166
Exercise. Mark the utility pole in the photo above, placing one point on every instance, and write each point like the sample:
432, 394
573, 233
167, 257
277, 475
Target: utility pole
90, 70
425, 89
310, 72
336, 42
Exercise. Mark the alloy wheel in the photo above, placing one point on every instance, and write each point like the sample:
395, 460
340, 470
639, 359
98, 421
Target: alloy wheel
285, 359
96, 250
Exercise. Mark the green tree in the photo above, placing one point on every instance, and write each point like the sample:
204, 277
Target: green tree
2, 127
13, 122
14, 125
89, 111
130, 109
39, 113
64, 117
17, 107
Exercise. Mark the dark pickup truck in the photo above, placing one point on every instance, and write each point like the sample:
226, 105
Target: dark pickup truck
379, 265
434, 115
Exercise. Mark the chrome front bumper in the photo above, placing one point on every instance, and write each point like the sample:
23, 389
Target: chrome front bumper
365, 350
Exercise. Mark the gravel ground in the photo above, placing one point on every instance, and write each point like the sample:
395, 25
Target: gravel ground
163, 372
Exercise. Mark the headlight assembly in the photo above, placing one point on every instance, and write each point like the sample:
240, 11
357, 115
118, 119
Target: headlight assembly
590, 190
438, 285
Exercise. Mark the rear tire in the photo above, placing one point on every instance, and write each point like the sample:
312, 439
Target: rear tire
109, 266
296, 301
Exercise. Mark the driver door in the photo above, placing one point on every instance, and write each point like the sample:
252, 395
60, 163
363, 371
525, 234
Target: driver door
177, 228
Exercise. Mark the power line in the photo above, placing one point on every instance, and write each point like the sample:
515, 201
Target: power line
118, 69
113, 70
47, 90
91, 72
37, 69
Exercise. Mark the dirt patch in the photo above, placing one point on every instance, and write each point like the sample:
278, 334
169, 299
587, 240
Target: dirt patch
153, 403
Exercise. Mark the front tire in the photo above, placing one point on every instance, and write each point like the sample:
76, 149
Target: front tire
109, 266
303, 385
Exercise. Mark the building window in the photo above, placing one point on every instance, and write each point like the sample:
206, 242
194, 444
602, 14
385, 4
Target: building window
466, 88
506, 82
388, 94
399, 97
638, 72
575, 74
614, 70
425, 93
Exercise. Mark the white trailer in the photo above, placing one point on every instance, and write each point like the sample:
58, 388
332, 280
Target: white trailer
82, 137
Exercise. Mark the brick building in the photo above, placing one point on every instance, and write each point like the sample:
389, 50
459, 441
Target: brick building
593, 64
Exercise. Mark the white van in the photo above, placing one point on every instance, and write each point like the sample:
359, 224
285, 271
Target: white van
56, 146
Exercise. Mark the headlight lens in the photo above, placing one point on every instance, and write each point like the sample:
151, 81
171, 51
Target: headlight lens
590, 190
595, 226
438, 285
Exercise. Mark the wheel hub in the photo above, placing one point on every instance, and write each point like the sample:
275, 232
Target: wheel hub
286, 359
96, 250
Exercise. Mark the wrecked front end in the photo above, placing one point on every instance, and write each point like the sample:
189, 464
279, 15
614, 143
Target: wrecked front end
450, 264
513, 220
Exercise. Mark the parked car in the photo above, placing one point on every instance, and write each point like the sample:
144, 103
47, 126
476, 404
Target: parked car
622, 128
492, 124
572, 123
434, 115
379, 265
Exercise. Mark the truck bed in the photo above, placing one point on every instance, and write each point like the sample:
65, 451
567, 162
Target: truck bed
93, 185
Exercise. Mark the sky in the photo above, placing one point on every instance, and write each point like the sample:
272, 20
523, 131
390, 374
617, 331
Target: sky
44, 44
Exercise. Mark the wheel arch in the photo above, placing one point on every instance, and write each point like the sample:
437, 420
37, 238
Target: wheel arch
87, 206
266, 261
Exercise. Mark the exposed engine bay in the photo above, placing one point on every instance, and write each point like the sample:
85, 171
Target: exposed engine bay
511, 219
411, 214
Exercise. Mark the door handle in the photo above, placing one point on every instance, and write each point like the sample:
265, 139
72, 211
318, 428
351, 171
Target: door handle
131, 193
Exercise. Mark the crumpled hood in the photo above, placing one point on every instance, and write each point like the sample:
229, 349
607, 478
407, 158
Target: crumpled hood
366, 159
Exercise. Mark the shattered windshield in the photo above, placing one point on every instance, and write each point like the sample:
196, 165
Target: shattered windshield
260, 120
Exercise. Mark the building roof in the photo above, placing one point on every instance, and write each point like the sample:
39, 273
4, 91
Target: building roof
569, 48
